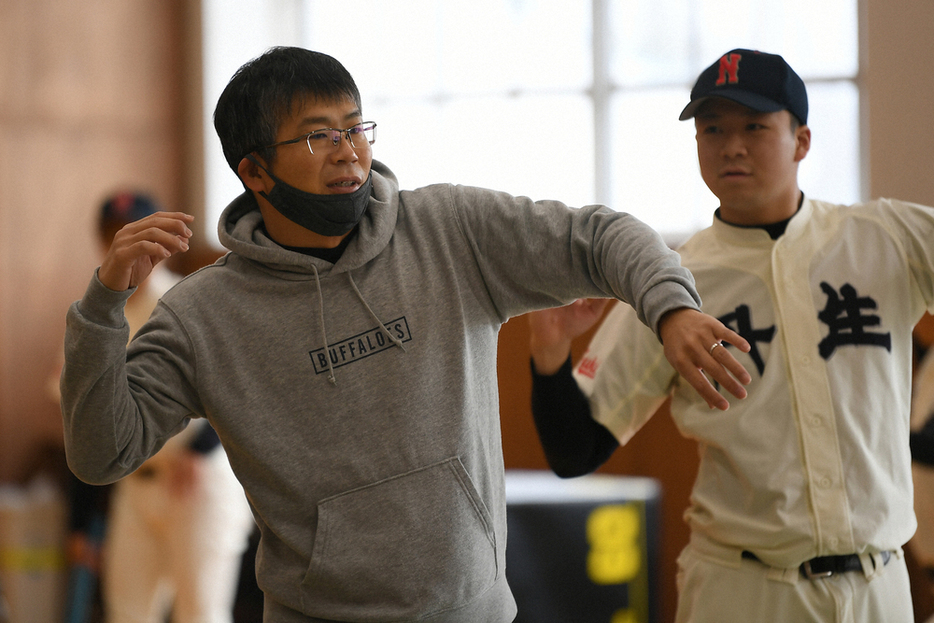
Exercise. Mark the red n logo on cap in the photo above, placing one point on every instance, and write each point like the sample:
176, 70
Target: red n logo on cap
729, 69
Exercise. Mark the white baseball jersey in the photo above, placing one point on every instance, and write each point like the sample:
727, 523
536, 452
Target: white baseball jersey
815, 460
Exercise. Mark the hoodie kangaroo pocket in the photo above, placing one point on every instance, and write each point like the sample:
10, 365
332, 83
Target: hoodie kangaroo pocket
402, 548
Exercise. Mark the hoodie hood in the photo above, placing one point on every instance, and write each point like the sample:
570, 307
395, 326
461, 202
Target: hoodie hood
240, 230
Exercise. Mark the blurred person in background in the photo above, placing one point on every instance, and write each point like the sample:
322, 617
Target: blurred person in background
175, 529
922, 455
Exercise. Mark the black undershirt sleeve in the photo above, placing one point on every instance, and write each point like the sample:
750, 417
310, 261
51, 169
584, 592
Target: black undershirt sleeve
922, 443
575, 444
205, 441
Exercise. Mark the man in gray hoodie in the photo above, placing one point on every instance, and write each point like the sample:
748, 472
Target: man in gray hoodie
345, 351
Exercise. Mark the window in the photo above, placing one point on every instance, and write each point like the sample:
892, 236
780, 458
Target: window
554, 99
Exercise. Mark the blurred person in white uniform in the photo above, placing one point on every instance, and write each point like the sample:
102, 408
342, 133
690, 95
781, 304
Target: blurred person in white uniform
178, 525
922, 465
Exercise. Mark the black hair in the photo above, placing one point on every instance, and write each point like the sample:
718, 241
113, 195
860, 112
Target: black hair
262, 92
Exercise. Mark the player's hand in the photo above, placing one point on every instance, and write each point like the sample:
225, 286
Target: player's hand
139, 246
553, 330
688, 337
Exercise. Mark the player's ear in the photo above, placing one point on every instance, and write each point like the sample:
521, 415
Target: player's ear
252, 175
802, 142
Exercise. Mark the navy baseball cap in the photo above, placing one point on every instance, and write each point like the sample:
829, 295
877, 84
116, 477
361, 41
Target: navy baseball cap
761, 81
126, 207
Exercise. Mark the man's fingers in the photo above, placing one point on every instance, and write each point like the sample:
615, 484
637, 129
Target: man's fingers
729, 383
164, 220
728, 371
158, 245
696, 345
735, 339
707, 391
169, 230
696, 374
720, 366
173, 223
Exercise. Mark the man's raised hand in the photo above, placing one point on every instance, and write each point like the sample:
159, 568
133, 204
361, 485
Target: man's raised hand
140, 245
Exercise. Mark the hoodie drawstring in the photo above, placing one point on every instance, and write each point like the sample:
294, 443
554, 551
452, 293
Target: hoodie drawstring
392, 338
324, 335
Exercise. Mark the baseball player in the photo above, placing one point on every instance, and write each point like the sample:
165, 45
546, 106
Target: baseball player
922, 454
175, 530
803, 498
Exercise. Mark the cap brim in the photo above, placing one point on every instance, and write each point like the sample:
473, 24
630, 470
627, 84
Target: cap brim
750, 100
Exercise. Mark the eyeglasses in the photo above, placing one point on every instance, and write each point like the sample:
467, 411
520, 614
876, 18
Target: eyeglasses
326, 140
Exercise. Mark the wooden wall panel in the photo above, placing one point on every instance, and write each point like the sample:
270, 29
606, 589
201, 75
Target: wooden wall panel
91, 101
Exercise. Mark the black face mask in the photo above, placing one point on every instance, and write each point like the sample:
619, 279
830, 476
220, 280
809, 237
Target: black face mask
327, 215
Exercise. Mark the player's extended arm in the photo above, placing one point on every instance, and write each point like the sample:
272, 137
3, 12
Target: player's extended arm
574, 443
688, 337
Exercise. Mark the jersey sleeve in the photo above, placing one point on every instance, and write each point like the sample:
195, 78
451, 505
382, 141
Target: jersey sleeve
624, 374
913, 226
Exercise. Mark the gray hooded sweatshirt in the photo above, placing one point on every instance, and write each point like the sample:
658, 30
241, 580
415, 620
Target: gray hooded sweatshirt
357, 402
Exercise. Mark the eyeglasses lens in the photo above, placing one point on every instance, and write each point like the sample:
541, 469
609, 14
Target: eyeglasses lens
327, 140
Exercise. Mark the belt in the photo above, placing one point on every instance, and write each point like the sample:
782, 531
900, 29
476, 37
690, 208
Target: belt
826, 566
